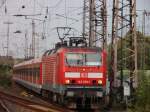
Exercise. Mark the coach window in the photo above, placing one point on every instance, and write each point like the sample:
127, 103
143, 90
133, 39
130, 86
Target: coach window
22, 74
34, 73
26, 71
26, 74
29, 73
38, 73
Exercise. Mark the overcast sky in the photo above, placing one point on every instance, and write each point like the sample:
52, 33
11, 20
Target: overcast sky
55, 10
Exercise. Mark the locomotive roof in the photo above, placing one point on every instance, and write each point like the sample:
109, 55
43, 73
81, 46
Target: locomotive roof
81, 48
52, 51
90, 48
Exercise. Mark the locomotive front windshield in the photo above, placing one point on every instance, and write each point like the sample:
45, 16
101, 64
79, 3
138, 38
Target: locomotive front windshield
83, 59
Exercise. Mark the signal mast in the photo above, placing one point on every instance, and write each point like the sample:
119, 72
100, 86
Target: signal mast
123, 25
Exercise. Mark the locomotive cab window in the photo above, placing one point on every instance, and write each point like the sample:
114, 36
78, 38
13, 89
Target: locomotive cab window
83, 59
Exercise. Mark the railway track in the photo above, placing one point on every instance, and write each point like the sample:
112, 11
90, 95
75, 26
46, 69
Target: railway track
3, 107
47, 101
32, 105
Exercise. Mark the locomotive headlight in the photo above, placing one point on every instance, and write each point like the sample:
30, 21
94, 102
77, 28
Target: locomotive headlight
100, 82
67, 81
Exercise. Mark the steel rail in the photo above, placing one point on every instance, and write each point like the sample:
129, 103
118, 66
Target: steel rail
38, 107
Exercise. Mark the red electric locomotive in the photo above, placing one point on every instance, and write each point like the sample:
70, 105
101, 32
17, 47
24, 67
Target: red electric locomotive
70, 75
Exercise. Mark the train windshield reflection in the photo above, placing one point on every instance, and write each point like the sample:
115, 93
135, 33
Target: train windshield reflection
83, 59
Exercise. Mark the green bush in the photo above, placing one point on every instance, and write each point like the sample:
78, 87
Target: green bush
142, 94
5, 76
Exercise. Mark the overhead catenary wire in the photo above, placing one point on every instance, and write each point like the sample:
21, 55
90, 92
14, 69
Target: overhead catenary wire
50, 12
2, 4
66, 12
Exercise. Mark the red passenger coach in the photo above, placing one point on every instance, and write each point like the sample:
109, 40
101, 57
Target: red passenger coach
70, 75
29, 74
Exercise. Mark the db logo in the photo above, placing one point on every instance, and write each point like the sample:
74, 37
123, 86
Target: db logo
84, 75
